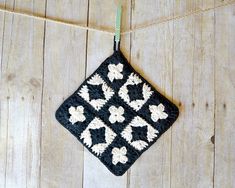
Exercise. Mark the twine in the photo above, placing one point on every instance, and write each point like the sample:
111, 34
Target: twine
106, 31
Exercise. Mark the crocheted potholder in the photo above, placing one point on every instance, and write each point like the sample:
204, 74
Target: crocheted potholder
116, 114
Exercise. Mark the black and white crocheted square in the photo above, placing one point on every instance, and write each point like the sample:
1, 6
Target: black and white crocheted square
116, 114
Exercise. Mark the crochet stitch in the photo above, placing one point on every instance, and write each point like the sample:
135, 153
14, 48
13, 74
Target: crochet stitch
116, 114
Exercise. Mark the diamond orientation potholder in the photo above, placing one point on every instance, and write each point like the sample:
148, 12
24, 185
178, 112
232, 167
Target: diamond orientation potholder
116, 114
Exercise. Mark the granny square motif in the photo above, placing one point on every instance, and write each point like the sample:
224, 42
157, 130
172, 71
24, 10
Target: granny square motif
116, 114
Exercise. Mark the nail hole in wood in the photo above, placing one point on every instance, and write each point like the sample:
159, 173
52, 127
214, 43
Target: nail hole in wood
193, 104
10, 77
138, 55
213, 139
207, 105
180, 104
34, 82
224, 105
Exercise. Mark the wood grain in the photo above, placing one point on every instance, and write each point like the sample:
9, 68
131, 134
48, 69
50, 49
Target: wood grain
64, 71
22, 61
225, 99
203, 99
193, 86
3, 107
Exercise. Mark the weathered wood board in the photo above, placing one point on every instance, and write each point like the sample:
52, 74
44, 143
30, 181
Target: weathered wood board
188, 56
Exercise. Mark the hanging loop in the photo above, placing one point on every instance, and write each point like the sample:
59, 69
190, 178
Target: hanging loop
118, 27
116, 45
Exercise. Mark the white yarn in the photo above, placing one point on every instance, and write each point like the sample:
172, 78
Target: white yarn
107, 91
139, 144
133, 79
97, 123
116, 114
157, 112
119, 155
115, 71
76, 114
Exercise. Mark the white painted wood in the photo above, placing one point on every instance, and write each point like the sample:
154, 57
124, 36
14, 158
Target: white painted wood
222, 2
64, 71
100, 46
22, 62
183, 136
192, 150
190, 59
186, 7
206, 4
3, 129
30, 6
203, 100
225, 98
151, 55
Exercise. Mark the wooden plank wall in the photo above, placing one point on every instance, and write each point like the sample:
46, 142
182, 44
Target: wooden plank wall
190, 59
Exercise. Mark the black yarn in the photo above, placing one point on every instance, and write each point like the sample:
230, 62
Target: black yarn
98, 135
140, 133
95, 92
135, 91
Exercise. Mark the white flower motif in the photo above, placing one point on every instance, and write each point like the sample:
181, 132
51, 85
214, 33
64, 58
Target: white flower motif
116, 114
115, 71
157, 112
76, 114
119, 155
